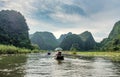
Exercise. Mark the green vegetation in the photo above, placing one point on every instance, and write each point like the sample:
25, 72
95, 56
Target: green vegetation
104, 48
89, 42
84, 41
113, 40
10, 49
14, 38
64, 36
45, 40
13, 29
71, 41
78, 42
114, 56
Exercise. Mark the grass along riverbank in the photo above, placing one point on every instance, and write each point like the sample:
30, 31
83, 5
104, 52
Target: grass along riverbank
10, 49
114, 56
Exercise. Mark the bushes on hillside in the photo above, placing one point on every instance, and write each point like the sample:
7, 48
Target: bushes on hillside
10, 49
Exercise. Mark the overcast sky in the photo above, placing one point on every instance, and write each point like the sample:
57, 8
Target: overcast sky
63, 16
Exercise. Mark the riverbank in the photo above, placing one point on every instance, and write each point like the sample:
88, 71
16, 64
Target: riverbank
113, 56
10, 49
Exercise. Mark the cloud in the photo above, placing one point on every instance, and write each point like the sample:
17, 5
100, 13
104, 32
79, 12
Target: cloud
19, 5
66, 18
36, 25
73, 9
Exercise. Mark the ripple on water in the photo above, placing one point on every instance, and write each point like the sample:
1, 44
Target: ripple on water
42, 66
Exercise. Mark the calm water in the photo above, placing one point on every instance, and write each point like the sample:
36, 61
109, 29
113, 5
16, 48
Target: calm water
41, 65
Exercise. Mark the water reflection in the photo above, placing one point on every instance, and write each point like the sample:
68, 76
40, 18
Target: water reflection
38, 65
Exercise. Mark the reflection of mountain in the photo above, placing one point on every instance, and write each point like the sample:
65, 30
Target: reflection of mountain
45, 40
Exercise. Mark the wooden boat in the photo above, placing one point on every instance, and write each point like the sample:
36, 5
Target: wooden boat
59, 57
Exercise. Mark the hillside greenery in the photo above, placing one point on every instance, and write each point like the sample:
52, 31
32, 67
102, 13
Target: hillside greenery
84, 42
113, 41
14, 35
72, 41
10, 49
89, 42
13, 29
113, 56
45, 40
63, 36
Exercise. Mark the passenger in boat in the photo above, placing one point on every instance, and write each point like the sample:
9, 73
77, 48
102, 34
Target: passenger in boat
59, 56
59, 53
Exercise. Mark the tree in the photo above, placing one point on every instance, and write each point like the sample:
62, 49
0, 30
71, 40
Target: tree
75, 47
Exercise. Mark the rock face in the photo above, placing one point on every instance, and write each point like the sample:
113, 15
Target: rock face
13, 29
113, 40
45, 40
84, 41
89, 42
115, 33
72, 41
64, 36
69, 41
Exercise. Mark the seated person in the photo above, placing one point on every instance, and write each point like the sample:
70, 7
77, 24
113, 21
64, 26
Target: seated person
59, 56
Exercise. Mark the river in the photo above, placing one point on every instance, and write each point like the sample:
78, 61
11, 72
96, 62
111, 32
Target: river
42, 65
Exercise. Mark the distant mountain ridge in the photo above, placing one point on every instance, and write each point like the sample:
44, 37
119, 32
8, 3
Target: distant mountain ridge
14, 31
72, 41
64, 36
45, 40
87, 38
83, 41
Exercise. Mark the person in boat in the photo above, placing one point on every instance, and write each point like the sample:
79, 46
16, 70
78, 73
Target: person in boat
59, 56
